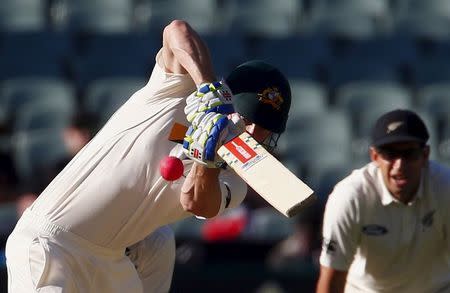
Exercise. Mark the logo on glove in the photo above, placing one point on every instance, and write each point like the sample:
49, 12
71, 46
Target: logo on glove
271, 96
227, 95
197, 154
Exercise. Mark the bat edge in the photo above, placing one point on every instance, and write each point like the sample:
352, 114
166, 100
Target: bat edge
296, 209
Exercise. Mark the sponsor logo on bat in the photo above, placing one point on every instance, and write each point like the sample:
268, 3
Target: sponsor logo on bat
253, 162
240, 150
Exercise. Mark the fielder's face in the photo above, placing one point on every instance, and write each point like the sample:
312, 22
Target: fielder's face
401, 166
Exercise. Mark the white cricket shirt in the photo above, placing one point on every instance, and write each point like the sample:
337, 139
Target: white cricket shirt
387, 246
112, 193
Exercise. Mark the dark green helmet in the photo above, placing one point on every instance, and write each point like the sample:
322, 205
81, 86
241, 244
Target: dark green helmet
261, 94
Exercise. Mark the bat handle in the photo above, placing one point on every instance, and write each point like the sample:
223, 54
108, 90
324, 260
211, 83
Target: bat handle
236, 126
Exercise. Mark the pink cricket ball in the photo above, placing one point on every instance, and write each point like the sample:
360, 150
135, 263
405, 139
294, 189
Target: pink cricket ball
171, 168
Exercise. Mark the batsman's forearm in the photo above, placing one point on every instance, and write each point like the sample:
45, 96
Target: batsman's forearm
200, 193
184, 51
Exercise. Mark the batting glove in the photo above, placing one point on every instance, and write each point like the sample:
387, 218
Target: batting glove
210, 97
207, 133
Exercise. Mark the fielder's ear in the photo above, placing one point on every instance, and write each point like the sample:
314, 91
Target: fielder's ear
373, 155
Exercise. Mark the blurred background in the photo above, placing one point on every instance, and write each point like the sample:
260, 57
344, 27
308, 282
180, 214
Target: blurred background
67, 65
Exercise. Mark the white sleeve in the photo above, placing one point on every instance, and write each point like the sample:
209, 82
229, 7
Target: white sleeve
233, 190
154, 260
340, 230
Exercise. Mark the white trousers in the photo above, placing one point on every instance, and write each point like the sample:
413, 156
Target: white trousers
43, 257
154, 259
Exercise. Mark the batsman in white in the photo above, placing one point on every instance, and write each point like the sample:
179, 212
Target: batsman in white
154, 259
76, 236
387, 225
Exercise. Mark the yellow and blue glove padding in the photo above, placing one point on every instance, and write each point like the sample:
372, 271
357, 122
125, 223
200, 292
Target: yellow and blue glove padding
206, 134
209, 97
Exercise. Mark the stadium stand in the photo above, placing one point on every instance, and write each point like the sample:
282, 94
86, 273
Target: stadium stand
226, 57
364, 102
348, 61
104, 96
435, 134
307, 97
265, 18
37, 92
42, 115
370, 9
303, 56
434, 7
113, 55
423, 26
22, 15
435, 100
317, 139
92, 16
359, 97
344, 25
202, 14
444, 143
267, 224
37, 152
48, 57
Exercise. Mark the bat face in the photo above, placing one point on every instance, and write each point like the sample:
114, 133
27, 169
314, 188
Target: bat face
262, 171
266, 175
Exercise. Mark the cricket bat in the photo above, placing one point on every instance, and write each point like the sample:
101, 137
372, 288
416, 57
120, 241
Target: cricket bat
261, 171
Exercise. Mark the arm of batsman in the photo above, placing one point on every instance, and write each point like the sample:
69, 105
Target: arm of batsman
210, 97
207, 133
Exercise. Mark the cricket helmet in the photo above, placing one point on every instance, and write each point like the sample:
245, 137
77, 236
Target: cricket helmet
261, 94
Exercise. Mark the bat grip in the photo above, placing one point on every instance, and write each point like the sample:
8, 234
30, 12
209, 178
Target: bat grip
236, 126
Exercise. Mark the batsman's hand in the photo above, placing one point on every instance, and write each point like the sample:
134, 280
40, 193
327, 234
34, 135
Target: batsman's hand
207, 133
210, 97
